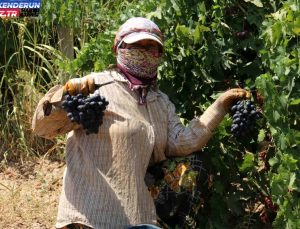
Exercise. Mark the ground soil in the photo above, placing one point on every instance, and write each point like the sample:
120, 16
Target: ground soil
29, 194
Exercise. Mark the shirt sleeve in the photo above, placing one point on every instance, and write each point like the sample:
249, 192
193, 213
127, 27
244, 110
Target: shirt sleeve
184, 140
49, 119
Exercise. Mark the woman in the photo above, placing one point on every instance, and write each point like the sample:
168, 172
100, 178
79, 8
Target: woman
103, 184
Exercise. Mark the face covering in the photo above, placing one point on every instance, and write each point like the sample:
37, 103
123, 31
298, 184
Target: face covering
139, 63
140, 68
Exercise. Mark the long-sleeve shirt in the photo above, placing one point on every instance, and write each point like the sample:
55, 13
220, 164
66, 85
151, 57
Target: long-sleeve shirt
103, 184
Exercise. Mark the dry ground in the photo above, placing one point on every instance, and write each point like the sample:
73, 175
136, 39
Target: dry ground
29, 194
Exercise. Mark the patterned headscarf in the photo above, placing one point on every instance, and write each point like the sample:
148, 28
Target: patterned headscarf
139, 66
136, 29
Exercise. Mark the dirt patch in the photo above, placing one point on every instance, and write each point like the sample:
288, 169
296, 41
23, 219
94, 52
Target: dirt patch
29, 194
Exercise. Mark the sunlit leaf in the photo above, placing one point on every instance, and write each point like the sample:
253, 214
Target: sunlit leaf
258, 3
199, 32
261, 135
293, 184
295, 102
182, 31
248, 162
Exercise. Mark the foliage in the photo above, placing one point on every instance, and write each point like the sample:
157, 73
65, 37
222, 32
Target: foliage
280, 87
212, 46
27, 67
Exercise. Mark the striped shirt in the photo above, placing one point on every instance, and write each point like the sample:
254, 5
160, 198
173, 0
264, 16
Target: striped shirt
103, 184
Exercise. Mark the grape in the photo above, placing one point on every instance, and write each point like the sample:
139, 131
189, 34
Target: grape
64, 104
236, 115
244, 116
86, 111
234, 108
243, 34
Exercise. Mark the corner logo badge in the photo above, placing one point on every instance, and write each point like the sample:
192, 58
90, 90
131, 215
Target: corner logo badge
19, 8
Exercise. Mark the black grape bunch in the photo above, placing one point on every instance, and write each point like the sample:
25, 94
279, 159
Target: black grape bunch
86, 111
244, 115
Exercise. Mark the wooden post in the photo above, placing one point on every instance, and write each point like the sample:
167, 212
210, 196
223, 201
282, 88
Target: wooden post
66, 46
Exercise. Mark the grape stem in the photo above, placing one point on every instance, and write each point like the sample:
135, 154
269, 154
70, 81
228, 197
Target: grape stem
103, 84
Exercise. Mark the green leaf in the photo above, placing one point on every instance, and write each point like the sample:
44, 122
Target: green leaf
276, 33
279, 15
201, 7
291, 162
273, 161
176, 7
155, 14
258, 3
278, 184
182, 31
296, 30
276, 115
282, 142
292, 184
248, 162
295, 102
296, 27
261, 135
198, 33
283, 101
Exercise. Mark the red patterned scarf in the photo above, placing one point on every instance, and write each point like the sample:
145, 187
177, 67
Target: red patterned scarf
140, 68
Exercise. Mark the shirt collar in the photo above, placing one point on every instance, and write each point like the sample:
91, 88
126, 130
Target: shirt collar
117, 76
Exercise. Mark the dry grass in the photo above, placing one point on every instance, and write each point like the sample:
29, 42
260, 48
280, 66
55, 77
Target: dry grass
29, 194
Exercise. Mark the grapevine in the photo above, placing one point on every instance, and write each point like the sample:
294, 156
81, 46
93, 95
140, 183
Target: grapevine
86, 111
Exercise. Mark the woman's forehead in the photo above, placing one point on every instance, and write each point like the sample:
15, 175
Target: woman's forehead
146, 42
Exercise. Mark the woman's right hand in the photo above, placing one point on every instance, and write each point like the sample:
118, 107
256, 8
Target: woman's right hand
228, 98
85, 85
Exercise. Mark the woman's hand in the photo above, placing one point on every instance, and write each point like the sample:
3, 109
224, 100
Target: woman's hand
228, 98
85, 85
215, 113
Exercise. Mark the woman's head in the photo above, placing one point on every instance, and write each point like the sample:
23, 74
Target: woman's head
139, 45
138, 30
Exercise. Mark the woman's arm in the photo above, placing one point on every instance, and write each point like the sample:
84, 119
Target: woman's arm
183, 140
50, 119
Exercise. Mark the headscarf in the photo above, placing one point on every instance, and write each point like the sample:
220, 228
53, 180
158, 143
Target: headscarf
139, 66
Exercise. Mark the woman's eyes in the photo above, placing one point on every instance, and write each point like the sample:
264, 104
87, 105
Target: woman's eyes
148, 47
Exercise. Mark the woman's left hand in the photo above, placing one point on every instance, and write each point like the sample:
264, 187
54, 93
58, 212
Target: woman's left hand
228, 98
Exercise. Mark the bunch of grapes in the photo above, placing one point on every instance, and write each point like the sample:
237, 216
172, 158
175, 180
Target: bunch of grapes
86, 111
244, 115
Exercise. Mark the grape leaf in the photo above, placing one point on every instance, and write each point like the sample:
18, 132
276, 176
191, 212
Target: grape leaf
293, 185
296, 27
198, 33
273, 161
248, 162
258, 3
295, 102
182, 31
261, 135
